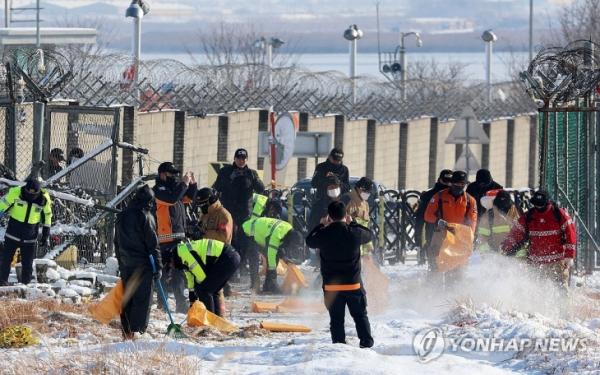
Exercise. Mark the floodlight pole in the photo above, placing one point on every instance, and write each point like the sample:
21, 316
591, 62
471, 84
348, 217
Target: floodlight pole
269, 52
37, 24
530, 30
7, 13
137, 52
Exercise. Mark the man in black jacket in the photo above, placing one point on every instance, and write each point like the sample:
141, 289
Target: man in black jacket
483, 183
237, 183
442, 183
331, 167
135, 242
339, 241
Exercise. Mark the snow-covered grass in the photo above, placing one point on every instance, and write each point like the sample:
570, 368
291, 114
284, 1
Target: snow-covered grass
497, 297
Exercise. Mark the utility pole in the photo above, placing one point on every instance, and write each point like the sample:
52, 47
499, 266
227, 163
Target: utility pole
530, 30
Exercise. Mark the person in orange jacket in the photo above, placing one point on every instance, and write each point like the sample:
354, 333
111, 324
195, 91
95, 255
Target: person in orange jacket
450, 206
172, 194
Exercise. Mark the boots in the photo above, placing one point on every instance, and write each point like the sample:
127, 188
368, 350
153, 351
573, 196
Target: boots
270, 286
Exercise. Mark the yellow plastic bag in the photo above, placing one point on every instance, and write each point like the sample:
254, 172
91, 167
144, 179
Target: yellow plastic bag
283, 327
199, 316
456, 248
110, 306
294, 280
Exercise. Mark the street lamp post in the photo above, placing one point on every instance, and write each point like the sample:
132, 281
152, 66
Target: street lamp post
403, 75
137, 10
353, 34
489, 38
268, 46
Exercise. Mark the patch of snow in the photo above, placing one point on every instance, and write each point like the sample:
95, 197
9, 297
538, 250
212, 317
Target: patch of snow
68, 292
47, 262
112, 266
52, 274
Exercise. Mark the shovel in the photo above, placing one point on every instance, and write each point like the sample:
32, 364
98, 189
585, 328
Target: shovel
173, 330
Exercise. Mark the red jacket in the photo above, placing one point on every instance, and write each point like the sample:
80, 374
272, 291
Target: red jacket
549, 240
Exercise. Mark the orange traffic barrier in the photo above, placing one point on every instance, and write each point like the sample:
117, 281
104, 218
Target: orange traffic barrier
283, 327
456, 248
110, 306
199, 316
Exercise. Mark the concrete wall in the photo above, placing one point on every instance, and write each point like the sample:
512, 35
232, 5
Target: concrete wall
243, 133
355, 147
521, 157
155, 131
417, 159
498, 135
200, 146
445, 157
320, 124
387, 142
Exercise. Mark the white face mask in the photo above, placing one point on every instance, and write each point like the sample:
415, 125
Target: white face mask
365, 196
334, 193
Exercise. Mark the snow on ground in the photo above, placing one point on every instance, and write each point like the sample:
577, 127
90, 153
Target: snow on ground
497, 297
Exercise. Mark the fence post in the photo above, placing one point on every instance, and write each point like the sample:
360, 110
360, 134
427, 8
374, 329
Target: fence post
381, 223
39, 109
290, 207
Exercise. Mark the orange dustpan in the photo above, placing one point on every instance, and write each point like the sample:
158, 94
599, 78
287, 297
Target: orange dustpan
110, 306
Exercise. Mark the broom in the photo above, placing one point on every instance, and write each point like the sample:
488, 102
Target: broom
173, 330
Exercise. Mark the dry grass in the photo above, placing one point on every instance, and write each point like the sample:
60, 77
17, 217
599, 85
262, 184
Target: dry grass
106, 361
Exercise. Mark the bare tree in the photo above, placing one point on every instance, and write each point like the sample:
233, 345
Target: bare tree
578, 20
233, 48
89, 57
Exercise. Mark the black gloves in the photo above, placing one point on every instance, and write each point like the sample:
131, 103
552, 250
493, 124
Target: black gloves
45, 239
192, 297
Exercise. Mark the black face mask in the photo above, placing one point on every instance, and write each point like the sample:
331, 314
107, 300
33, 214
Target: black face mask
456, 190
171, 180
204, 208
540, 209
29, 197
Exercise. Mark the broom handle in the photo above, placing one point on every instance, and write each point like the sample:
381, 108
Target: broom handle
161, 291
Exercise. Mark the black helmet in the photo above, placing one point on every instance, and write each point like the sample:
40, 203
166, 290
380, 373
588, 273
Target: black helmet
292, 243
365, 183
206, 195
144, 196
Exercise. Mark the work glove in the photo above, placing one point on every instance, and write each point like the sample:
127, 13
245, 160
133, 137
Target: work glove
192, 297
442, 224
45, 239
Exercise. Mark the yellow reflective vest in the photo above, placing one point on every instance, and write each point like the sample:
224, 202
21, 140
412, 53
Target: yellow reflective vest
194, 255
27, 212
259, 203
268, 233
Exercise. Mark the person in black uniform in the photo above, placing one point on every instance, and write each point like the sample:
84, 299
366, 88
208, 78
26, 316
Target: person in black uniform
237, 183
339, 240
424, 232
135, 242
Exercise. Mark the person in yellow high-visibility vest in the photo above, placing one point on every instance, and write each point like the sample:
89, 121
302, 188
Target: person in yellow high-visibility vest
497, 221
276, 240
207, 265
29, 207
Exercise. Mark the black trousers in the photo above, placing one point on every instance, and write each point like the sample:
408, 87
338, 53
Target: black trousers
248, 251
356, 300
136, 312
28, 250
172, 279
216, 276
